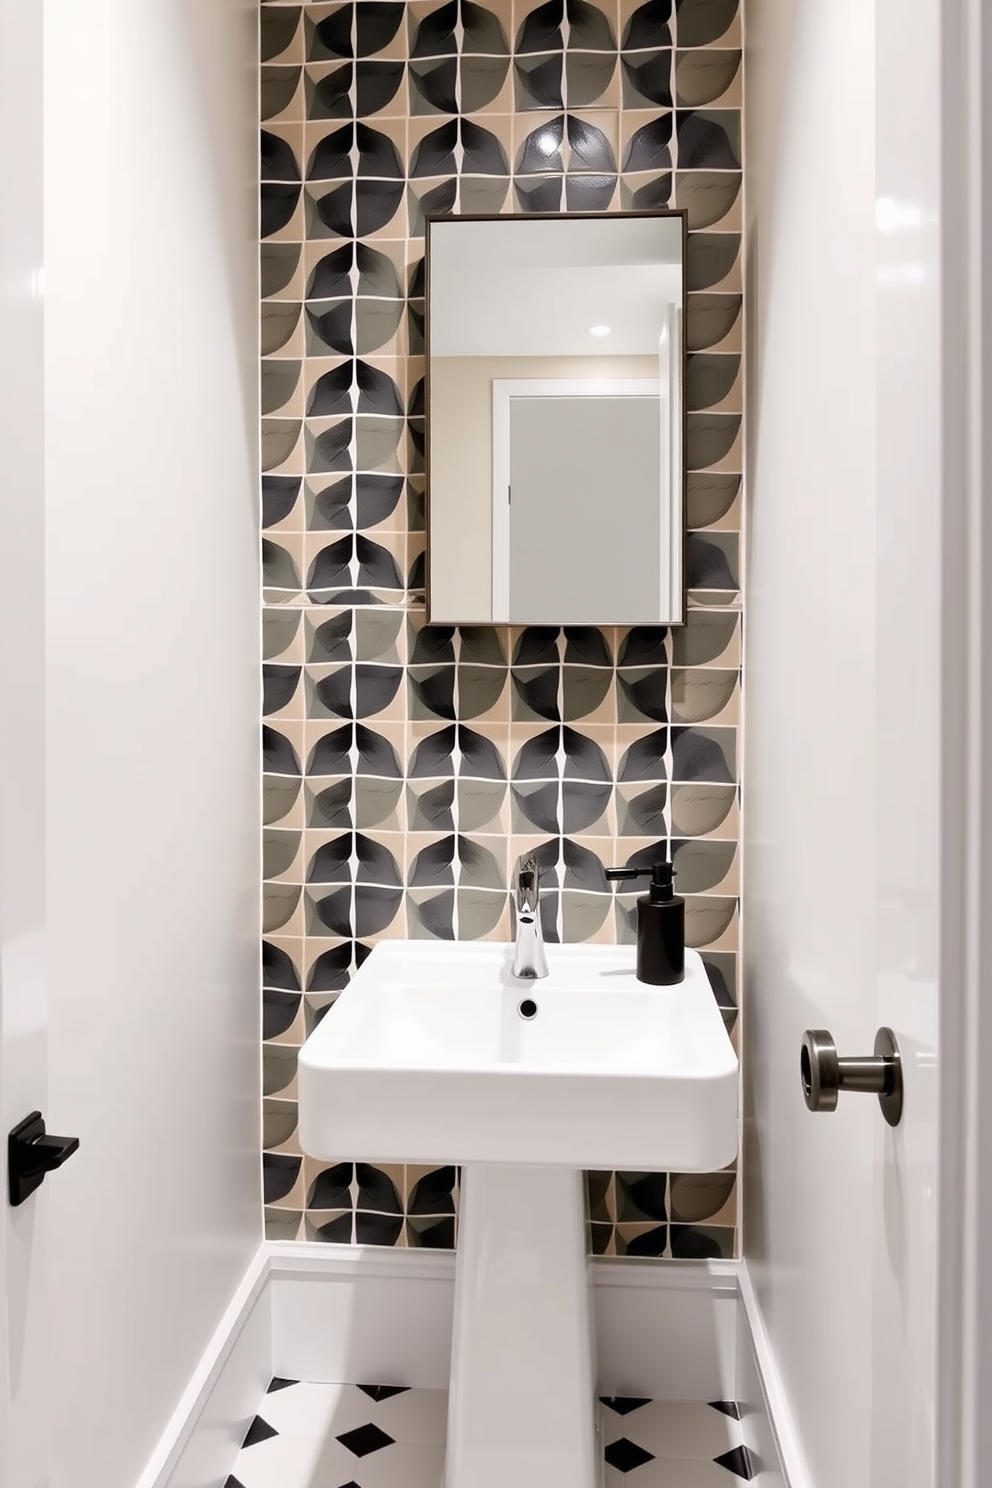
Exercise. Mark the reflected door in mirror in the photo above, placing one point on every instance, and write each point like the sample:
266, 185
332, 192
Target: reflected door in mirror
559, 551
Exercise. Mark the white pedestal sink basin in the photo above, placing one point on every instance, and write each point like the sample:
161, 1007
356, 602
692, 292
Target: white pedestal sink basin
434, 1053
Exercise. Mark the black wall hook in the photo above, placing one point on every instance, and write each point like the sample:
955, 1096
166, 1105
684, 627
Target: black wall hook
31, 1153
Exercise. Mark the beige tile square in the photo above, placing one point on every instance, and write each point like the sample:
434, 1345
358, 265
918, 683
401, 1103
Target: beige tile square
488, 83
711, 922
282, 803
712, 199
282, 446
709, 77
281, 271
282, 391
626, 9
286, 203
284, 151
282, 567
337, 15
282, 635
283, 97
282, 908
282, 329
282, 38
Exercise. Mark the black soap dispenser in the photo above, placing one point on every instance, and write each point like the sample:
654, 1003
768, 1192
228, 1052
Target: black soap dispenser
660, 926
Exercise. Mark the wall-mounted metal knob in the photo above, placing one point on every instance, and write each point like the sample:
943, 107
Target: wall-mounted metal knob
824, 1075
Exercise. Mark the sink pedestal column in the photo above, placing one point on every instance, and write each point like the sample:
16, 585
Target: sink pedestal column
521, 1409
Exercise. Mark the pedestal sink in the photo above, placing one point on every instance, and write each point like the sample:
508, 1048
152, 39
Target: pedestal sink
435, 1053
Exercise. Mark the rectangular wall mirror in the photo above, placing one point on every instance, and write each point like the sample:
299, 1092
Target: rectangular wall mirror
555, 419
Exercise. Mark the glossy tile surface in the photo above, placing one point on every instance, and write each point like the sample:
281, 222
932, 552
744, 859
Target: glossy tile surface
407, 766
379, 1436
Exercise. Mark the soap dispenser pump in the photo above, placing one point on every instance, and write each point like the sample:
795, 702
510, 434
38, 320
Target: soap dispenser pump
660, 926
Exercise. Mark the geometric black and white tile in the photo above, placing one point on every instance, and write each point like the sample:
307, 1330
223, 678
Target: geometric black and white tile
406, 765
382, 1436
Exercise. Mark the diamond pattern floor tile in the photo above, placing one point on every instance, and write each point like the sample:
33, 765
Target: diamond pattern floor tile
364, 1440
416, 1416
378, 1436
675, 1428
625, 1455
281, 1462
315, 1410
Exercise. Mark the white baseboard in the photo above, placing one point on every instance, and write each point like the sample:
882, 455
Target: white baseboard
675, 1330
208, 1425
350, 1313
362, 1313
667, 1330
777, 1437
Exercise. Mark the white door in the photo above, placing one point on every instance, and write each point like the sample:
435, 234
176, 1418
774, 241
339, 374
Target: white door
24, 1402
910, 513
855, 723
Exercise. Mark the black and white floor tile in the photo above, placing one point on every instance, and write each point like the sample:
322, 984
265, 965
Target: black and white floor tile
674, 1444
382, 1436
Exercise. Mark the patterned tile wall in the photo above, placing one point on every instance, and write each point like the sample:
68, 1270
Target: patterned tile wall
406, 765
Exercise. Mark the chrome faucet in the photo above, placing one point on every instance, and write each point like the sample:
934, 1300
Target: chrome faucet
528, 957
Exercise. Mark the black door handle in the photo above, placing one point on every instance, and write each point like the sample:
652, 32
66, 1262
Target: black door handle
31, 1153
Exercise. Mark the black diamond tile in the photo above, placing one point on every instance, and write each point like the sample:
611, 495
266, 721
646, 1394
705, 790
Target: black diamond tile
383, 1392
258, 1431
625, 1455
365, 1439
728, 1407
277, 1383
234, 1483
623, 1404
740, 1462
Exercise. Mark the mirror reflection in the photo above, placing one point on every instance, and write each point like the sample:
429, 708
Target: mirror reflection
555, 417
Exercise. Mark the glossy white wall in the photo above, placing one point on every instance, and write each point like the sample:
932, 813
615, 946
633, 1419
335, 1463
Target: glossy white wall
150, 255
23, 1061
842, 716
810, 672
915, 902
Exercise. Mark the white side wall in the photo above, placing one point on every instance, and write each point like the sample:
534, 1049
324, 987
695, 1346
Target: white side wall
23, 1064
809, 829
153, 703
844, 715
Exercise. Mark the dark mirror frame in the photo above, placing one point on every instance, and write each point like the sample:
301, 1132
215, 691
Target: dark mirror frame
661, 212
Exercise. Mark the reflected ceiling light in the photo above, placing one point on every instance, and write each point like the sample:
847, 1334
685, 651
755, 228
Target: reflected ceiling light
599, 330
897, 216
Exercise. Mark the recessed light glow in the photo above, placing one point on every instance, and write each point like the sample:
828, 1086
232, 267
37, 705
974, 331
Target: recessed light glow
897, 216
599, 330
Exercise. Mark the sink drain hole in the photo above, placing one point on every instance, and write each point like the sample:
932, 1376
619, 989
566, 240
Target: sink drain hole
527, 1008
